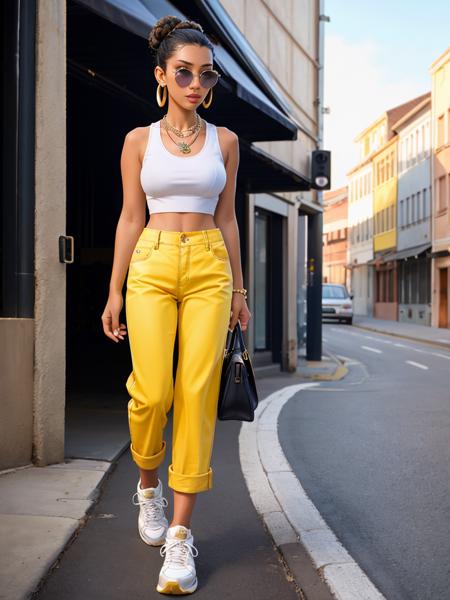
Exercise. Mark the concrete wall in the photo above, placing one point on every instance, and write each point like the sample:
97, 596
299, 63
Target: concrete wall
50, 174
16, 392
32, 369
284, 34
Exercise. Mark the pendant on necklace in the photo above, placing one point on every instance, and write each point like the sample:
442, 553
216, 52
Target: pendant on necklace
184, 148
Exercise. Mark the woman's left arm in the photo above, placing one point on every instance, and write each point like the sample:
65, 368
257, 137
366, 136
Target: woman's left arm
225, 219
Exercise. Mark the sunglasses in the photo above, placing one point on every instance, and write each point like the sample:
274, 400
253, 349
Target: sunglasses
208, 78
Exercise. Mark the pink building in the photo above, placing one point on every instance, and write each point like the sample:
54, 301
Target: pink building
440, 167
335, 237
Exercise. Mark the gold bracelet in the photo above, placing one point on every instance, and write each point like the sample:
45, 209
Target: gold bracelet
242, 291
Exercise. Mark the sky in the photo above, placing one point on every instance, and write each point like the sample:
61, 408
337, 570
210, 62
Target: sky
377, 55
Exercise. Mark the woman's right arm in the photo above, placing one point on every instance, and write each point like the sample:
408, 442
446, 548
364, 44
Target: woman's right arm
129, 227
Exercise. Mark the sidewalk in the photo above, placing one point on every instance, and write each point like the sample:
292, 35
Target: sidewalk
46, 511
421, 333
43, 508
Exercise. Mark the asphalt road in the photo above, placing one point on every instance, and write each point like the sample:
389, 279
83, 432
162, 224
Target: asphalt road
373, 453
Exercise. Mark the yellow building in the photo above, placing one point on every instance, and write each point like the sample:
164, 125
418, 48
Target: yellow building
384, 165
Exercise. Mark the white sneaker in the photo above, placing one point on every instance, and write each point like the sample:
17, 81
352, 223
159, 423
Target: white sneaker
177, 575
152, 522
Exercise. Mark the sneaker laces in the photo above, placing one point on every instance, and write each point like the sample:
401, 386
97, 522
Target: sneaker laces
177, 551
152, 507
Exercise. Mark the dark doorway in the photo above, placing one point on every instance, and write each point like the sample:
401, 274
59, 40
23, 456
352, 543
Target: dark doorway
443, 297
268, 290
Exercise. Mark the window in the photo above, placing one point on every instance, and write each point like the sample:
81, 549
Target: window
442, 193
419, 212
413, 208
448, 126
422, 139
424, 203
440, 131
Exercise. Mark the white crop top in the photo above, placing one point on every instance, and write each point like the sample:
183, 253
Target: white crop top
182, 183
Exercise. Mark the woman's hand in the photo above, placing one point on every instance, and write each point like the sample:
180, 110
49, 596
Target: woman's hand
110, 317
239, 312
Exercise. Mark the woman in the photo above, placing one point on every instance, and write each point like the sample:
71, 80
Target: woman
184, 273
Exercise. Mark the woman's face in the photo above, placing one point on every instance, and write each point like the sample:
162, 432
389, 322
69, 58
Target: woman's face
187, 61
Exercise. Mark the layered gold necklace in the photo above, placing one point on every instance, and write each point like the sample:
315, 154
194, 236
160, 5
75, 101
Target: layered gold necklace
184, 147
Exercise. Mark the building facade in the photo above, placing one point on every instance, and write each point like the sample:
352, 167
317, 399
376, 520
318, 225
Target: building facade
360, 247
335, 237
374, 180
384, 175
440, 177
414, 215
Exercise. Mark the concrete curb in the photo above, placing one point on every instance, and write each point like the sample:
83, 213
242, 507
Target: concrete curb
41, 511
317, 561
433, 343
331, 369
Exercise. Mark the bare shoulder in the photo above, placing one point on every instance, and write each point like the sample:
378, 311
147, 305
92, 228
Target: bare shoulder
228, 140
228, 136
136, 140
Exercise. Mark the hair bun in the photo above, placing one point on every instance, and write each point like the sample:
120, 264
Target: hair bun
164, 27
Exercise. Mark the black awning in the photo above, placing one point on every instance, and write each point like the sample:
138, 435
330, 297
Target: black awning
400, 254
265, 173
263, 120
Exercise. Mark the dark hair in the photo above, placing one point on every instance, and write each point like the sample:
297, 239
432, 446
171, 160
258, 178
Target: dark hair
169, 32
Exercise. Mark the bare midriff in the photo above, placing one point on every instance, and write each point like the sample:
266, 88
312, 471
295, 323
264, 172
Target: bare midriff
181, 221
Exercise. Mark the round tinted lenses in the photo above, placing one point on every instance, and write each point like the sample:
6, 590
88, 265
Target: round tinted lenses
208, 78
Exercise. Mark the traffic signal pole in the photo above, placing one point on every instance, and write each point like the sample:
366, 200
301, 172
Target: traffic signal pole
314, 287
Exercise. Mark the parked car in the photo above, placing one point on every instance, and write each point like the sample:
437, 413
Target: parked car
337, 302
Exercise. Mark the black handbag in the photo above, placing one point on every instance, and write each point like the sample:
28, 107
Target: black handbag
238, 397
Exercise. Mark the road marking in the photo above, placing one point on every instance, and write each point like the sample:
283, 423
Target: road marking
286, 509
400, 345
440, 355
372, 349
416, 364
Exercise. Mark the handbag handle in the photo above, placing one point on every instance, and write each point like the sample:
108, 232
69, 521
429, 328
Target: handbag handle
237, 332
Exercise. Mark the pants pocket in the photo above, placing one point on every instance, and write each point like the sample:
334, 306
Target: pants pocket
141, 252
219, 250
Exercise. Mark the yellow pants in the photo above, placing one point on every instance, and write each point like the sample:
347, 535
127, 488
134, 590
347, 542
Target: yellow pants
177, 280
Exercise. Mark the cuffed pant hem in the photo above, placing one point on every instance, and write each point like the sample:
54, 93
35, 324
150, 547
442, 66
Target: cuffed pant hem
190, 483
148, 462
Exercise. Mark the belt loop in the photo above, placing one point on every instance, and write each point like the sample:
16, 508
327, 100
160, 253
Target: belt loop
157, 239
206, 238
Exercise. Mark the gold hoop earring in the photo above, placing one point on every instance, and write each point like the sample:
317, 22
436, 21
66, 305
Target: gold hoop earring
158, 95
208, 104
